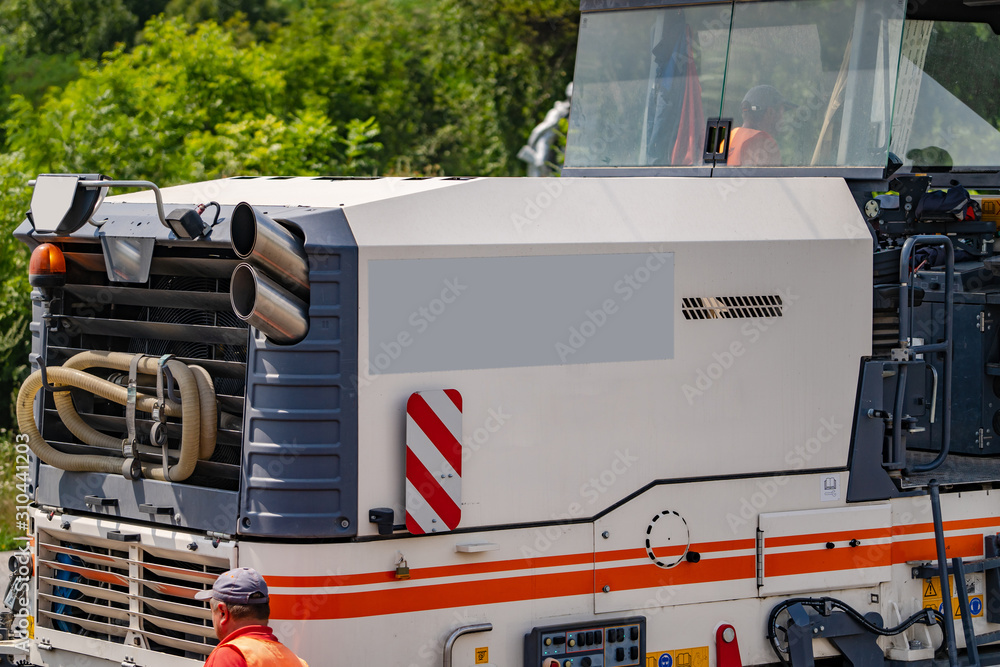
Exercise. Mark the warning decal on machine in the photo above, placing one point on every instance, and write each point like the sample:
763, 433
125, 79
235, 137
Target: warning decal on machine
685, 657
433, 461
934, 600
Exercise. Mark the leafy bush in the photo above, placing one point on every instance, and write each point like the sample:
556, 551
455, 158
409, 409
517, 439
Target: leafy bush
15, 310
290, 87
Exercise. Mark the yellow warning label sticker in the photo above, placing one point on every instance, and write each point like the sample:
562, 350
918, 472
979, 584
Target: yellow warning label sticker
483, 655
31, 627
934, 600
685, 657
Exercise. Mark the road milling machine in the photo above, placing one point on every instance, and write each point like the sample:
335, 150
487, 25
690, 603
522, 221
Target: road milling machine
726, 393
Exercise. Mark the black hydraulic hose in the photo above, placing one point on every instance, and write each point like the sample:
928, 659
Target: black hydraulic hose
820, 604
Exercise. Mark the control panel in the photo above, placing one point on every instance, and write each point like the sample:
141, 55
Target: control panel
609, 643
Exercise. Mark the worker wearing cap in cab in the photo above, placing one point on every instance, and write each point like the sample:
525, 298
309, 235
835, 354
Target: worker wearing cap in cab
240, 610
753, 144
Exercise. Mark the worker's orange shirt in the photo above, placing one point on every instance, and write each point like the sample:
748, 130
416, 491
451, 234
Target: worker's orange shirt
253, 646
752, 148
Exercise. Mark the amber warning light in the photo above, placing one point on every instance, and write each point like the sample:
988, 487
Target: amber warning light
47, 267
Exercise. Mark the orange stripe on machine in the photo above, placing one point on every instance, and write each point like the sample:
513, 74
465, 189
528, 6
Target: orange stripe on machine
608, 570
303, 606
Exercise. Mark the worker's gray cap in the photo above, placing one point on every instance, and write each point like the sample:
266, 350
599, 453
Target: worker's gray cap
761, 98
243, 585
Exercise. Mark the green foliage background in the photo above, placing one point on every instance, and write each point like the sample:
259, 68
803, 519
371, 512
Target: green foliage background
180, 90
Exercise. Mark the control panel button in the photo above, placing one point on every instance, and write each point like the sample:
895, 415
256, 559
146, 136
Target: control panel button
598, 642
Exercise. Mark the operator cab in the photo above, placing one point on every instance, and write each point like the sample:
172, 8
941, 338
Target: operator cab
667, 90
899, 100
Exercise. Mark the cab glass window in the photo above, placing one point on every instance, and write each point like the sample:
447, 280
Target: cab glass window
645, 82
947, 108
806, 83
810, 84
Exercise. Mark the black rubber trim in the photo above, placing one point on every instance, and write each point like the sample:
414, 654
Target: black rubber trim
123, 537
98, 501
146, 508
610, 508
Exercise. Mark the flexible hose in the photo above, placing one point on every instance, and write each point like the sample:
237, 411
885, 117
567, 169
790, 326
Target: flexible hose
121, 361
209, 412
76, 424
198, 413
42, 449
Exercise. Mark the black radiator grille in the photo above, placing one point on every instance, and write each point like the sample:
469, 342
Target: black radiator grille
183, 310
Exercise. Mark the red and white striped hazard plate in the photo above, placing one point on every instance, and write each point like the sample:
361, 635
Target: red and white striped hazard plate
433, 461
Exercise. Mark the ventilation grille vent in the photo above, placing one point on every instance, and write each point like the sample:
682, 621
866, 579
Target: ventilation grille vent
125, 592
184, 310
731, 307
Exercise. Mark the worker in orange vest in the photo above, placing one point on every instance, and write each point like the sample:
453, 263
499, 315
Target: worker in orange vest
240, 610
753, 144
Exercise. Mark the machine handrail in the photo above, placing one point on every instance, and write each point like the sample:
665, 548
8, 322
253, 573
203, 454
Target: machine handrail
449, 644
945, 346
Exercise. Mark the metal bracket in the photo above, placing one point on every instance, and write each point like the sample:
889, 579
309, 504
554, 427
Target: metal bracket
931, 571
36, 359
160, 414
149, 508
858, 646
98, 501
128, 445
383, 518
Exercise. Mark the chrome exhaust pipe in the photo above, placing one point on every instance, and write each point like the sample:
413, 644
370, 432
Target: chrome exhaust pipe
271, 247
267, 306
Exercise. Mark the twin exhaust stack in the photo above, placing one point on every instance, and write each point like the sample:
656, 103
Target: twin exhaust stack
270, 289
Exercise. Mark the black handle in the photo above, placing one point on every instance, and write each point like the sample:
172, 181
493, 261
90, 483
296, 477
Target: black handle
119, 536
146, 508
101, 502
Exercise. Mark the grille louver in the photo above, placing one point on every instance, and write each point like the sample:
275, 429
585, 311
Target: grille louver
126, 593
183, 310
731, 307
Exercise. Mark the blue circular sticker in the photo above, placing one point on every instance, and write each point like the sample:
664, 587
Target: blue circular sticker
975, 606
665, 660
